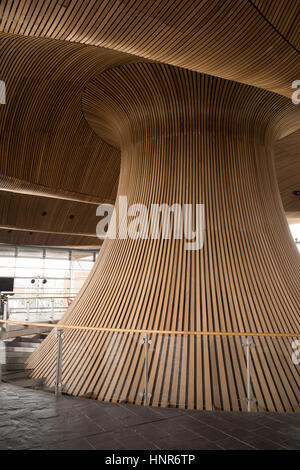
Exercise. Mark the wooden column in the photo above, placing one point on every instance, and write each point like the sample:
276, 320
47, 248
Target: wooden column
189, 138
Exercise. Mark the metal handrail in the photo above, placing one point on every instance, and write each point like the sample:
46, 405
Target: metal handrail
48, 288
163, 332
11, 306
146, 342
18, 310
39, 298
14, 294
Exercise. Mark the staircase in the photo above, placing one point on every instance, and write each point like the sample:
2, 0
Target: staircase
17, 350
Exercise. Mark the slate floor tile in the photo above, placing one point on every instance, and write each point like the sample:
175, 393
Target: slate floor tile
233, 444
105, 442
37, 420
150, 431
264, 444
269, 433
291, 444
73, 444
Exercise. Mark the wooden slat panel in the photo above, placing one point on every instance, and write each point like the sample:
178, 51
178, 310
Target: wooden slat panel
228, 38
187, 137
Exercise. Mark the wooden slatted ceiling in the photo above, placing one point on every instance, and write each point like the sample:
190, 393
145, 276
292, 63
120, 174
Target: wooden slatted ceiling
227, 38
46, 147
52, 145
247, 276
45, 80
189, 137
287, 163
9, 183
16, 236
42, 214
284, 15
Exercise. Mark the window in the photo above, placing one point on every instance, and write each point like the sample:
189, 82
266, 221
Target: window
64, 270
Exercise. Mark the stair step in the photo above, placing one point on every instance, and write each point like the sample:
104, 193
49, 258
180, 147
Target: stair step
14, 375
18, 332
16, 359
12, 350
23, 344
17, 350
28, 338
6, 367
25, 383
18, 353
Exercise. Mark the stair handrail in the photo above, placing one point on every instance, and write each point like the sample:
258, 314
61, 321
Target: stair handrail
151, 331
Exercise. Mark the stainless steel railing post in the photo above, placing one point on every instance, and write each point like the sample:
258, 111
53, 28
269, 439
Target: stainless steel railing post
58, 377
52, 310
5, 313
27, 311
5, 309
2, 357
145, 341
248, 345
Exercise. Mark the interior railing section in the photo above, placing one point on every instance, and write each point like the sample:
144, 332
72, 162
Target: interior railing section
42, 307
145, 339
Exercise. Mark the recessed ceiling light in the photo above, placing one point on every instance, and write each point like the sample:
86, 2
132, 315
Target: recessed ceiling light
297, 192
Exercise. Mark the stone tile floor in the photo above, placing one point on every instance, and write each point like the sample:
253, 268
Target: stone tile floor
31, 419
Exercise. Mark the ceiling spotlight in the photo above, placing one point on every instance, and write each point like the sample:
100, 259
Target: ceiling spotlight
44, 281
32, 281
297, 192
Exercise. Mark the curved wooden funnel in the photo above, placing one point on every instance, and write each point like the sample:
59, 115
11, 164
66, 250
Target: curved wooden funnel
189, 138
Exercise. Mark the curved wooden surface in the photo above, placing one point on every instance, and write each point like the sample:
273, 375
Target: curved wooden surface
188, 137
228, 38
283, 16
50, 159
287, 163
74, 100
47, 149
